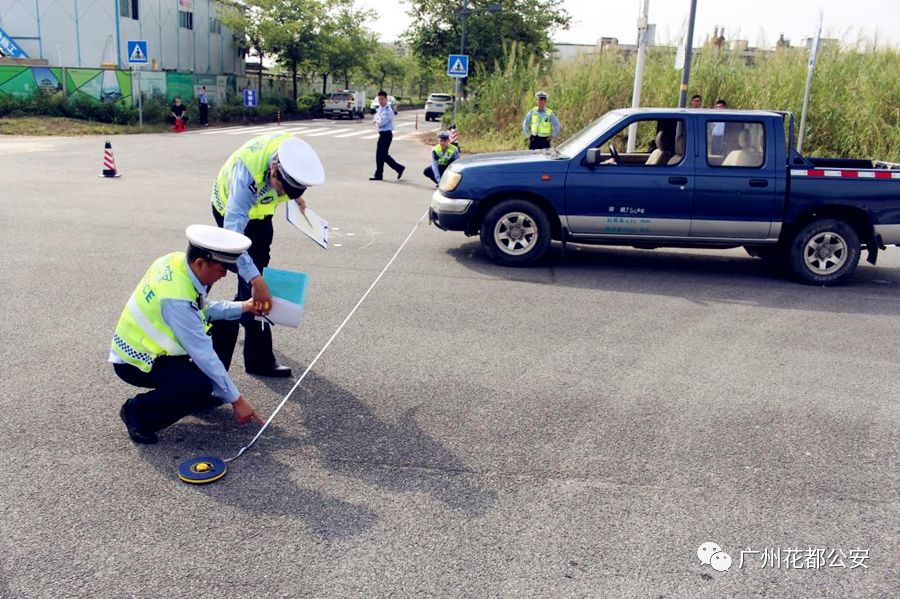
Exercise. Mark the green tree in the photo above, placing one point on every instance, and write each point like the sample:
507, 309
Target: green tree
437, 26
253, 27
297, 37
347, 43
384, 63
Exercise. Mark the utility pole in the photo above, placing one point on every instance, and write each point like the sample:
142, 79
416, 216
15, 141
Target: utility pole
688, 44
809, 79
462, 50
638, 73
464, 13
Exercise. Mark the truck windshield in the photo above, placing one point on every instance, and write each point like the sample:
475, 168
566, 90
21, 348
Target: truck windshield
580, 140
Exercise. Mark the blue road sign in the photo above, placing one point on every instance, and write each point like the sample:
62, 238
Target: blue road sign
458, 65
137, 52
251, 100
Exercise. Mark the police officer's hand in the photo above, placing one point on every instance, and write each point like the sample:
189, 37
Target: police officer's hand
244, 412
262, 297
302, 203
249, 306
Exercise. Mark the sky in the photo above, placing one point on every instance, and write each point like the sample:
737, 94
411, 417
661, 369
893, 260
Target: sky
760, 22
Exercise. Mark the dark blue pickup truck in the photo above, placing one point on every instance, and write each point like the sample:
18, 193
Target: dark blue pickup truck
692, 178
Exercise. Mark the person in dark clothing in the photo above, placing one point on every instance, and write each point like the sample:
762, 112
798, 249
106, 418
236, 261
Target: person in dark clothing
179, 116
384, 120
203, 100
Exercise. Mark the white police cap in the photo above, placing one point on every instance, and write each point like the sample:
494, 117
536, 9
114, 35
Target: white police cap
541, 95
299, 165
215, 243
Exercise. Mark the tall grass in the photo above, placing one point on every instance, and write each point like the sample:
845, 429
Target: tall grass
854, 109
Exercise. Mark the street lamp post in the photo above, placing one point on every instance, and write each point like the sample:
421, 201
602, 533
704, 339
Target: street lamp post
464, 12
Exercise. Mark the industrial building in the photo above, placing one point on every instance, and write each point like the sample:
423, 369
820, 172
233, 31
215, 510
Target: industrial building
182, 35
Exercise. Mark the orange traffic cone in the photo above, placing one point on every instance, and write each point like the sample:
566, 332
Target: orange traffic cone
109, 162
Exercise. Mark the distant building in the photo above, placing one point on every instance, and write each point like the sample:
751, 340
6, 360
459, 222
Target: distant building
566, 51
824, 42
181, 35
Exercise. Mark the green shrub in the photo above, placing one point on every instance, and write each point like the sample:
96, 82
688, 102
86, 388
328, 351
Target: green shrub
310, 105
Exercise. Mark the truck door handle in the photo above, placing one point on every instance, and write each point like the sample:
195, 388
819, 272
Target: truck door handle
678, 180
759, 182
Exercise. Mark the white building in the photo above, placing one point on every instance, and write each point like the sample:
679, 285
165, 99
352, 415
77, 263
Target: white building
181, 35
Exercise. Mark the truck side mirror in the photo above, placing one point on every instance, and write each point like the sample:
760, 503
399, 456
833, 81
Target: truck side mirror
593, 156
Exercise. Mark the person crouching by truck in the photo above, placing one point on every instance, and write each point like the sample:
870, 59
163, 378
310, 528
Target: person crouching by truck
442, 155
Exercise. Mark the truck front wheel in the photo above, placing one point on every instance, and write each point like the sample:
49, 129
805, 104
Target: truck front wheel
515, 233
824, 252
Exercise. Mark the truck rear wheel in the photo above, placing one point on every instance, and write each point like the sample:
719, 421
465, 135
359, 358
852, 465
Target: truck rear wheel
515, 233
824, 252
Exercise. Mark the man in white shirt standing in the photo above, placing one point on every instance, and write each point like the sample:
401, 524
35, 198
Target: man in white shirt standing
384, 120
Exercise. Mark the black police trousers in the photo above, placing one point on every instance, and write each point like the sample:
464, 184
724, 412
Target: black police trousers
177, 388
535, 142
258, 353
382, 156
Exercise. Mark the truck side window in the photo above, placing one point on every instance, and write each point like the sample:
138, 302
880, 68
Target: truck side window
657, 143
735, 144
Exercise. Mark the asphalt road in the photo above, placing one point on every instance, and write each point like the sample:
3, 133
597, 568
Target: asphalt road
575, 429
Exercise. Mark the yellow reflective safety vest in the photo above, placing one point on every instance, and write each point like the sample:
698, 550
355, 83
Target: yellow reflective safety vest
443, 158
255, 155
541, 126
141, 334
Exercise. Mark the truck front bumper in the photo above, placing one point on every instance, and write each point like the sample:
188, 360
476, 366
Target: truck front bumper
449, 214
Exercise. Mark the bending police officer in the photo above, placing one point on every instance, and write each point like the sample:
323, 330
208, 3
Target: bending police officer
260, 175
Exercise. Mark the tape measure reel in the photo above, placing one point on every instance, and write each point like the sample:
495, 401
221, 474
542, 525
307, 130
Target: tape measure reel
202, 470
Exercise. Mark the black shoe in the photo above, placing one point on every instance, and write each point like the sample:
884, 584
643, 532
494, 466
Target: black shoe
275, 370
134, 430
400, 171
374, 178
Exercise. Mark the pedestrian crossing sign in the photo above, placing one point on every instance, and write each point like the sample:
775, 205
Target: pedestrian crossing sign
458, 65
137, 52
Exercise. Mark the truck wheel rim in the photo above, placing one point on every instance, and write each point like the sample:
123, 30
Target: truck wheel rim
515, 233
825, 253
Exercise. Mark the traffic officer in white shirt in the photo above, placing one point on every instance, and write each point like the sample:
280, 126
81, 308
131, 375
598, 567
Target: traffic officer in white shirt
260, 175
384, 120
161, 341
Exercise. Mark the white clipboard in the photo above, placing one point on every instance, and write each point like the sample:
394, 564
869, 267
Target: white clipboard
309, 223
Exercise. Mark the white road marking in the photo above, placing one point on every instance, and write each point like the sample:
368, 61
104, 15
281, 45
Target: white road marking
316, 130
360, 132
258, 131
329, 132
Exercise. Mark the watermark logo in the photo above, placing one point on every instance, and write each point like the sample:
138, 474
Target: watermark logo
787, 558
710, 554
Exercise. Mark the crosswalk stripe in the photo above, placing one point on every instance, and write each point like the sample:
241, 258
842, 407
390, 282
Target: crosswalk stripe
370, 136
360, 132
257, 131
410, 124
329, 132
221, 130
316, 130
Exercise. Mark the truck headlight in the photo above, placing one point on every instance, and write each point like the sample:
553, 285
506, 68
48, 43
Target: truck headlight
450, 180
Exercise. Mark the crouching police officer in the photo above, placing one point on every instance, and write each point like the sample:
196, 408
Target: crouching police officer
260, 175
161, 341
441, 156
